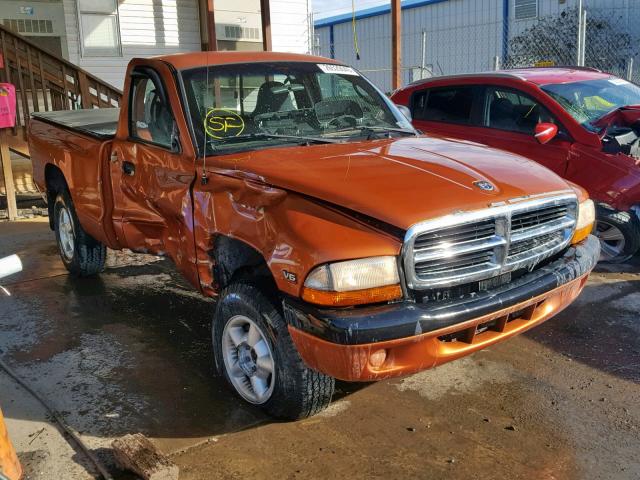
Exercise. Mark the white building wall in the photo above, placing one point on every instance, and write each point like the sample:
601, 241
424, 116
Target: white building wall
147, 28
290, 26
13, 9
160, 27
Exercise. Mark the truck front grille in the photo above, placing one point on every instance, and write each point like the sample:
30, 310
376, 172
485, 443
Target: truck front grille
467, 247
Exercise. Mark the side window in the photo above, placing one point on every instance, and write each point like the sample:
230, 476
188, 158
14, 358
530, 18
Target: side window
450, 105
514, 111
150, 117
418, 104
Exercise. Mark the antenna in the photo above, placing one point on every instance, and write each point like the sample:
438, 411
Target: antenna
204, 179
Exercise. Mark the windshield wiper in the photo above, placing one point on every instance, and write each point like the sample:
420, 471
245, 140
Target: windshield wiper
265, 135
372, 130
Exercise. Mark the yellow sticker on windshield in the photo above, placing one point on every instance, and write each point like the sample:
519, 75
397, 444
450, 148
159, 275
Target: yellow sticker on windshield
222, 123
597, 102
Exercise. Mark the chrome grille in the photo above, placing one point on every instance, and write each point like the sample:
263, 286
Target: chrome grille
524, 220
471, 246
456, 234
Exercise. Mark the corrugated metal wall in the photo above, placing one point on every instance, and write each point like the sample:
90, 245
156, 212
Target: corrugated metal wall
461, 36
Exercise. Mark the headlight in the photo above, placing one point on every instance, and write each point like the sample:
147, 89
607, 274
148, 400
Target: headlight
354, 282
586, 219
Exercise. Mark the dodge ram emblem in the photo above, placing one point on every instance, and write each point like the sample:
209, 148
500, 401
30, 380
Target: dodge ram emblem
484, 185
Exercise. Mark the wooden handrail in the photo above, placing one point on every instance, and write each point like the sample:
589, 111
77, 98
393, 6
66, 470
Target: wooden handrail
43, 82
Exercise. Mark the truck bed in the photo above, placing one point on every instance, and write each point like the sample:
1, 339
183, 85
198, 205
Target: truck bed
99, 123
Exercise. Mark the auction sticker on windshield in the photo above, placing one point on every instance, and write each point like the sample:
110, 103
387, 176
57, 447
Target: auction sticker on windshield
618, 81
339, 69
221, 123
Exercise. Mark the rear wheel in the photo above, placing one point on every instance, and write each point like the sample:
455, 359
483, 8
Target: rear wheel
81, 254
255, 353
619, 234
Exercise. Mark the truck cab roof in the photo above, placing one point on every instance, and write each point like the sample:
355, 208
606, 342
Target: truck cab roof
183, 61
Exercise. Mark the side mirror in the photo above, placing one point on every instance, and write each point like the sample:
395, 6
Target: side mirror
545, 132
405, 111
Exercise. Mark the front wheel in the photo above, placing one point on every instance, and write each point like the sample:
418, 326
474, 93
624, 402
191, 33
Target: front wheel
81, 254
255, 353
619, 234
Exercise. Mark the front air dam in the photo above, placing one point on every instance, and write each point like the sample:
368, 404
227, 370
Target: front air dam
360, 347
408, 355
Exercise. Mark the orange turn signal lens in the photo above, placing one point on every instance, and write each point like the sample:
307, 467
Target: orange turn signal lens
354, 297
581, 234
585, 221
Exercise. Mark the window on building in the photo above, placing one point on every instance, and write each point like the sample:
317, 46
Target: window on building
99, 30
526, 9
451, 105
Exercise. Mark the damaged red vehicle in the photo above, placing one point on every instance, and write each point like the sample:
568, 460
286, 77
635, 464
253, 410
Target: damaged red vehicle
340, 244
581, 123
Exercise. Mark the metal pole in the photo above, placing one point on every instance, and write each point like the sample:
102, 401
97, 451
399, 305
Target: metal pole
212, 40
630, 69
423, 61
584, 39
265, 13
496, 63
579, 38
396, 44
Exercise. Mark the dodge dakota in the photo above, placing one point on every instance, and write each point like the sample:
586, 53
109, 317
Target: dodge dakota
339, 243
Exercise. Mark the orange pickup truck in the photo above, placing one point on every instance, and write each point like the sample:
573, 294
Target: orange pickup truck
339, 242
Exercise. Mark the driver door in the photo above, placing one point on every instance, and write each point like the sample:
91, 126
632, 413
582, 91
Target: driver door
509, 119
152, 168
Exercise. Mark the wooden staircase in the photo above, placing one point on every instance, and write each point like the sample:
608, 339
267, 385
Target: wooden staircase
43, 82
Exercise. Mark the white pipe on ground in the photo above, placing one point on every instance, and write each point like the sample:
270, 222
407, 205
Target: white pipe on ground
10, 265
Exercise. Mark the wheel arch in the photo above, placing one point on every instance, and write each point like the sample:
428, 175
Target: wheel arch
55, 182
235, 260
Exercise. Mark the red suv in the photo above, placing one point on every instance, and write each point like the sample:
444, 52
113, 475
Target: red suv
581, 123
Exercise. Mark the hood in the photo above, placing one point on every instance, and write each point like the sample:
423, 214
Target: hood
398, 181
623, 116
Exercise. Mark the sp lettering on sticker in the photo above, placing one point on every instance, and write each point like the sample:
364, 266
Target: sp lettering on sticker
221, 123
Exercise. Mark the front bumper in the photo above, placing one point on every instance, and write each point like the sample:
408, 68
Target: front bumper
416, 336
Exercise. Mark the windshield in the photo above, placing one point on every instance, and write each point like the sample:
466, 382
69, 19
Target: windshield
254, 105
589, 100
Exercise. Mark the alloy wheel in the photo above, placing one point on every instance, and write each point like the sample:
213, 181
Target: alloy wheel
612, 240
248, 359
66, 233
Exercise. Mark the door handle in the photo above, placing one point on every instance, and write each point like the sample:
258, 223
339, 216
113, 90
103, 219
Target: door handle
128, 168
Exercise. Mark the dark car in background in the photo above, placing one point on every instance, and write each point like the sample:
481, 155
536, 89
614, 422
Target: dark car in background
581, 123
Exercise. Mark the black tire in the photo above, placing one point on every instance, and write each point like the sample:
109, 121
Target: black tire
627, 224
87, 256
298, 391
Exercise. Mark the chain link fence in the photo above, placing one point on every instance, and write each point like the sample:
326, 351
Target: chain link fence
601, 38
474, 37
